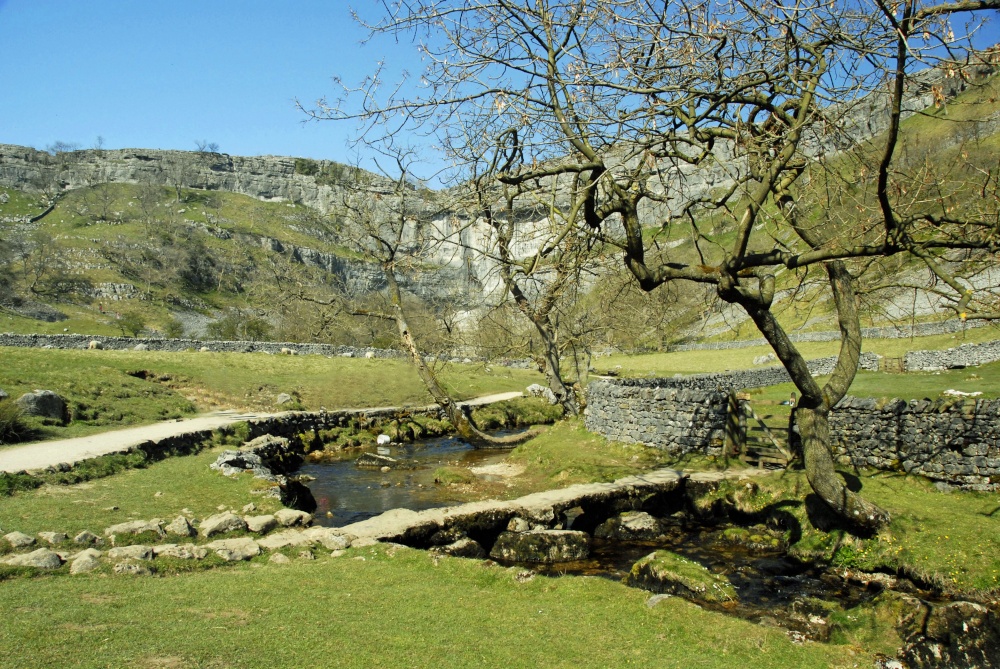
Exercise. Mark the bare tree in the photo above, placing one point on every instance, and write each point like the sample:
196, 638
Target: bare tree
392, 229
707, 116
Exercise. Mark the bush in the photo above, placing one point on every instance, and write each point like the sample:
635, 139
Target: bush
13, 427
132, 322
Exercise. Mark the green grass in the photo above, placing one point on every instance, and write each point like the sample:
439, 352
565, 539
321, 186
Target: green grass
103, 395
182, 482
388, 607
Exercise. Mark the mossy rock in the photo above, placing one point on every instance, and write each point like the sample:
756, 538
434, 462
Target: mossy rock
673, 574
756, 539
542, 546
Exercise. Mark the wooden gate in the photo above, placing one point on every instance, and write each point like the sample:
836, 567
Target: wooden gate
761, 442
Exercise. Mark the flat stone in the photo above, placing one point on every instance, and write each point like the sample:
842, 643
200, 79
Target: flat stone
330, 538
135, 527
279, 558
42, 558
291, 517
234, 550
187, 551
53, 538
136, 552
261, 524
132, 568
284, 539
222, 523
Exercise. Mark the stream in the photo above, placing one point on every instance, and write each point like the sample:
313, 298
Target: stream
347, 494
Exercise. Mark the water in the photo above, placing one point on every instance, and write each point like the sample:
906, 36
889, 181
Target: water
347, 494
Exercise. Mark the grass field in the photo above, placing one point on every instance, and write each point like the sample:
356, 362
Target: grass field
103, 393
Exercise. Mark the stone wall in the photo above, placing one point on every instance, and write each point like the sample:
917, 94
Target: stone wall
953, 441
957, 442
676, 419
953, 326
966, 355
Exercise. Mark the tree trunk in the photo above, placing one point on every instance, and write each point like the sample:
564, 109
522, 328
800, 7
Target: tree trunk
564, 394
455, 413
814, 429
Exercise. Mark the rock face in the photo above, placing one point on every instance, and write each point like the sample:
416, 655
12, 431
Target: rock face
958, 634
541, 546
45, 404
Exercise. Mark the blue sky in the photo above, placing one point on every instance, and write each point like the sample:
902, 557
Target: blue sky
155, 74
148, 74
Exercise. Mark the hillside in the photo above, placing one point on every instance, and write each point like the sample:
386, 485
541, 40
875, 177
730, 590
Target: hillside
200, 243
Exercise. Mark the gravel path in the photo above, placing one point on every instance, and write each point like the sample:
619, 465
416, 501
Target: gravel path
42, 454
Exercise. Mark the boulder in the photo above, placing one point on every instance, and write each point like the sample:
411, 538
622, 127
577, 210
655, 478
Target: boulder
630, 526
291, 517
132, 568
140, 347
45, 404
87, 538
669, 573
83, 564
541, 546
466, 548
518, 524
136, 552
43, 558
232, 463
538, 390
279, 558
261, 524
135, 528
955, 634
234, 550
53, 538
180, 527
283, 398
222, 523
19, 539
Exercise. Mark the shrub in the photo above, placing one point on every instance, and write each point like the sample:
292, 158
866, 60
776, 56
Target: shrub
13, 427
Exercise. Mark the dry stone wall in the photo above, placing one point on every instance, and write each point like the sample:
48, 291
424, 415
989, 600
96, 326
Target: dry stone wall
957, 442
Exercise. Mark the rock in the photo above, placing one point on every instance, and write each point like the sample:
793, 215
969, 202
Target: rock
956, 634
89, 552
132, 568
279, 558
283, 398
84, 564
330, 538
53, 538
181, 551
285, 539
541, 546
181, 527
234, 550
249, 508
669, 573
290, 517
538, 390
466, 548
140, 347
42, 558
222, 523
375, 461
261, 524
137, 552
231, 463
3, 394
630, 526
518, 525
135, 528
44, 403
19, 539
88, 538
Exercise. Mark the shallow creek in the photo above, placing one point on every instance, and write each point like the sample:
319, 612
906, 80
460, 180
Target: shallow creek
772, 589
347, 494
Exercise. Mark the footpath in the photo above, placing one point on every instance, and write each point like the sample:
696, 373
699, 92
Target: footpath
42, 454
